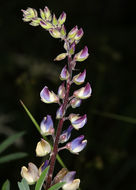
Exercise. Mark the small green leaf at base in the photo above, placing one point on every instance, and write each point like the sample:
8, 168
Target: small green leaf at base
57, 186
41, 180
6, 185
23, 185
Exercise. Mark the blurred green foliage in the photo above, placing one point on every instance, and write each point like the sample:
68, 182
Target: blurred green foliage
26, 65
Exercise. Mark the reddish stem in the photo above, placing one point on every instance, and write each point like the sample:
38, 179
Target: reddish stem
59, 129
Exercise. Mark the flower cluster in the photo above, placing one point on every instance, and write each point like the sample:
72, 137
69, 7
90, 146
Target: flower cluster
57, 29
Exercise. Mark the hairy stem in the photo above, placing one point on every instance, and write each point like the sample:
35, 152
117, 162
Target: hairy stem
59, 128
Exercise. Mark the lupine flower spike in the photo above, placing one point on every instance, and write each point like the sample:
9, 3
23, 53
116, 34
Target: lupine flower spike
61, 134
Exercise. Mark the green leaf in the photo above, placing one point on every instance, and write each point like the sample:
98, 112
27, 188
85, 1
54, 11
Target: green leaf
38, 128
115, 116
41, 180
23, 185
57, 186
6, 185
13, 156
10, 140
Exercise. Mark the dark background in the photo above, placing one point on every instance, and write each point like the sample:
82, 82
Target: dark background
26, 65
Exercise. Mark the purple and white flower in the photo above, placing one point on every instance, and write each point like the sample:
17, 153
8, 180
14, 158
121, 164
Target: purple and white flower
84, 92
82, 55
62, 18
80, 78
43, 166
77, 145
77, 121
64, 137
64, 73
46, 126
60, 112
48, 97
72, 33
75, 103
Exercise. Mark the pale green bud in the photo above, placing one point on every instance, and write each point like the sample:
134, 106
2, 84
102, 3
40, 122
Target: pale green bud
46, 25
62, 18
42, 14
47, 13
35, 21
29, 14
55, 33
63, 31
54, 20
72, 33
61, 57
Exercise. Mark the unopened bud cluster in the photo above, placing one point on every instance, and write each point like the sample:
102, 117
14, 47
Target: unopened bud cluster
57, 29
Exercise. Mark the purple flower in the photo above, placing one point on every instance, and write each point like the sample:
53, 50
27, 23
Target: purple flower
64, 137
48, 97
60, 112
78, 35
73, 32
84, 92
70, 182
75, 102
72, 48
77, 145
82, 55
43, 166
80, 78
47, 126
77, 121
64, 73
62, 18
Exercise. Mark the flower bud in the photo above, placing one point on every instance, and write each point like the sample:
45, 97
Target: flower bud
62, 18
77, 145
70, 182
72, 48
64, 137
31, 173
77, 121
84, 92
35, 22
48, 97
42, 14
78, 35
64, 73
80, 78
82, 55
72, 33
61, 57
47, 14
55, 33
43, 148
60, 175
46, 25
54, 20
65, 46
60, 112
62, 91
75, 103
63, 31
47, 126
28, 14
43, 166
